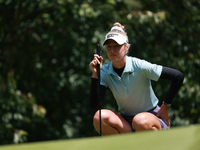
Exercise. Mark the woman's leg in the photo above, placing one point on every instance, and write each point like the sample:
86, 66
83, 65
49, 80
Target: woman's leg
146, 121
111, 123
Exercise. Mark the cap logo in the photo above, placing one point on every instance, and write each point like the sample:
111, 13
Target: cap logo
111, 35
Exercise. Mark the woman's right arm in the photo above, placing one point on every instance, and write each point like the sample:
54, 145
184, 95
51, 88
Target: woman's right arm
94, 96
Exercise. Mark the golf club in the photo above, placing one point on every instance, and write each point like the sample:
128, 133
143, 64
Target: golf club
98, 73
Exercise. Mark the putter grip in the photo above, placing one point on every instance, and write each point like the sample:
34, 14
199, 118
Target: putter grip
98, 65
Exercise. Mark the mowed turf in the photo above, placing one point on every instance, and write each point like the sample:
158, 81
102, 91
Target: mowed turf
180, 138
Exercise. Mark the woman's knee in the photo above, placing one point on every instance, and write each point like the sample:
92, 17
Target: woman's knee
145, 121
104, 116
140, 120
112, 123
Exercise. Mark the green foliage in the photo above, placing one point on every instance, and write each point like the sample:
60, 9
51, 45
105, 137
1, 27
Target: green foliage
18, 111
48, 45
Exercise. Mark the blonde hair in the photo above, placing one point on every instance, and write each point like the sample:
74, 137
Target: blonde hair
119, 25
120, 29
124, 33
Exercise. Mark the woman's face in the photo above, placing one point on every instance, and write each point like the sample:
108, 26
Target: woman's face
116, 53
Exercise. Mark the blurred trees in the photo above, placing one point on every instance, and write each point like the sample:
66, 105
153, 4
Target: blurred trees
19, 112
46, 46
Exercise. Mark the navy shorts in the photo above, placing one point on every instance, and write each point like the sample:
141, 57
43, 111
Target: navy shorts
153, 111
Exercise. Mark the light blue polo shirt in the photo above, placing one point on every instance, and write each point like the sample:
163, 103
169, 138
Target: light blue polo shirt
133, 91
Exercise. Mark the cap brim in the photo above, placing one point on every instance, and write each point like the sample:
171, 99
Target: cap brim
120, 42
120, 39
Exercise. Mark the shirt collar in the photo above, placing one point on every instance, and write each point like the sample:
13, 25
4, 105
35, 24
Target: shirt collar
128, 67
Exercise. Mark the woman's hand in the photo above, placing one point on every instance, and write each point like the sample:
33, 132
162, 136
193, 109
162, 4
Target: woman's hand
93, 65
163, 114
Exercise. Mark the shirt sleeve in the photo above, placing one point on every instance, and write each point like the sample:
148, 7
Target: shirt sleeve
151, 71
176, 77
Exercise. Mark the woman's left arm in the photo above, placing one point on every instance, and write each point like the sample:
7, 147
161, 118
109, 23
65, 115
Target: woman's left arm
176, 78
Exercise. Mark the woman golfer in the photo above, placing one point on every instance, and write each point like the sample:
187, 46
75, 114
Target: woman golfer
129, 79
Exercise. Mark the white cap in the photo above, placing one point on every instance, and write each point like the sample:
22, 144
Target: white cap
118, 37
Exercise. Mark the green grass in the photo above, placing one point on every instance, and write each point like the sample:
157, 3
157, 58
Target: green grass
180, 138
